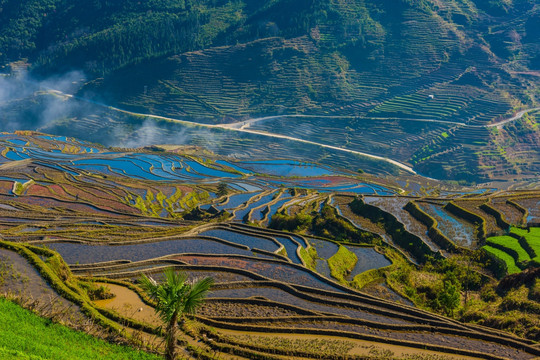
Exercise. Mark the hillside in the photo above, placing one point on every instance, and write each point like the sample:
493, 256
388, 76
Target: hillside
219, 59
52, 341
309, 261
457, 62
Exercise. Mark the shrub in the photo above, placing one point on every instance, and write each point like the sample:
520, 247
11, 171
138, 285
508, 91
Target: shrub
488, 293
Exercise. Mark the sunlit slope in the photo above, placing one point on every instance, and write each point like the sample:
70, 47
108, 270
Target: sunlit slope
384, 69
218, 59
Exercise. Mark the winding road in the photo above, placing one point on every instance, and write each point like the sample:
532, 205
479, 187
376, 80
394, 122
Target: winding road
246, 123
519, 115
242, 126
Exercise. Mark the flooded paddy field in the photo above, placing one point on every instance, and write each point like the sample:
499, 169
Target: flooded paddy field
461, 232
117, 213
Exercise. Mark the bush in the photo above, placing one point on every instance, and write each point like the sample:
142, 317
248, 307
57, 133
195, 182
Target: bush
449, 298
488, 293
95, 292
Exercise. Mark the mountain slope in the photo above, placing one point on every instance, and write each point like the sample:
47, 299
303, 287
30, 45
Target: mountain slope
222, 61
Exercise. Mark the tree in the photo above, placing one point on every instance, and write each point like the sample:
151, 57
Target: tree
449, 298
222, 189
174, 298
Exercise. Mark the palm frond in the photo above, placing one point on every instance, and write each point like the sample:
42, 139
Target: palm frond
196, 294
176, 295
150, 286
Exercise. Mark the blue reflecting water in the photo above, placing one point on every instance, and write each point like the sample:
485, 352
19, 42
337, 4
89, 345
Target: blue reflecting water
13, 179
235, 201
240, 214
286, 168
368, 259
84, 254
291, 248
203, 170
234, 166
243, 239
461, 232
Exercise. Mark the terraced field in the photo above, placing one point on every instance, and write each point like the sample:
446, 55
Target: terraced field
107, 216
516, 251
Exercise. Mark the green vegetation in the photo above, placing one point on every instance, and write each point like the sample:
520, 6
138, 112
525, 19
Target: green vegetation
175, 298
326, 223
257, 291
515, 252
298, 222
373, 275
309, 256
508, 261
222, 189
511, 246
24, 335
219, 61
341, 263
439, 284
154, 205
532, 241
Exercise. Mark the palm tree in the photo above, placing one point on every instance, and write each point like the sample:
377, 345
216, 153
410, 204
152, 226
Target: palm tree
174, 298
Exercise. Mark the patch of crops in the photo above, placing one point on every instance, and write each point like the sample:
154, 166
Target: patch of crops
507, 259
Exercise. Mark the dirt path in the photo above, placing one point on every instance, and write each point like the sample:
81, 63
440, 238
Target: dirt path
247, 123
241, 125
265, 134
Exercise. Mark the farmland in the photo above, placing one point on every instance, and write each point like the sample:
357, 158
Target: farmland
294, 247
427, 85
358, 179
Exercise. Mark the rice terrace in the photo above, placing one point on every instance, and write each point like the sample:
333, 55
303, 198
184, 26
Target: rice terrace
329, 263
307, 179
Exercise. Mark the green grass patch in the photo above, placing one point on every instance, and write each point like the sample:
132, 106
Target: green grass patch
22, 332
512, 245
534, 232
309, 256
532, 239
341, 263
507, 259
